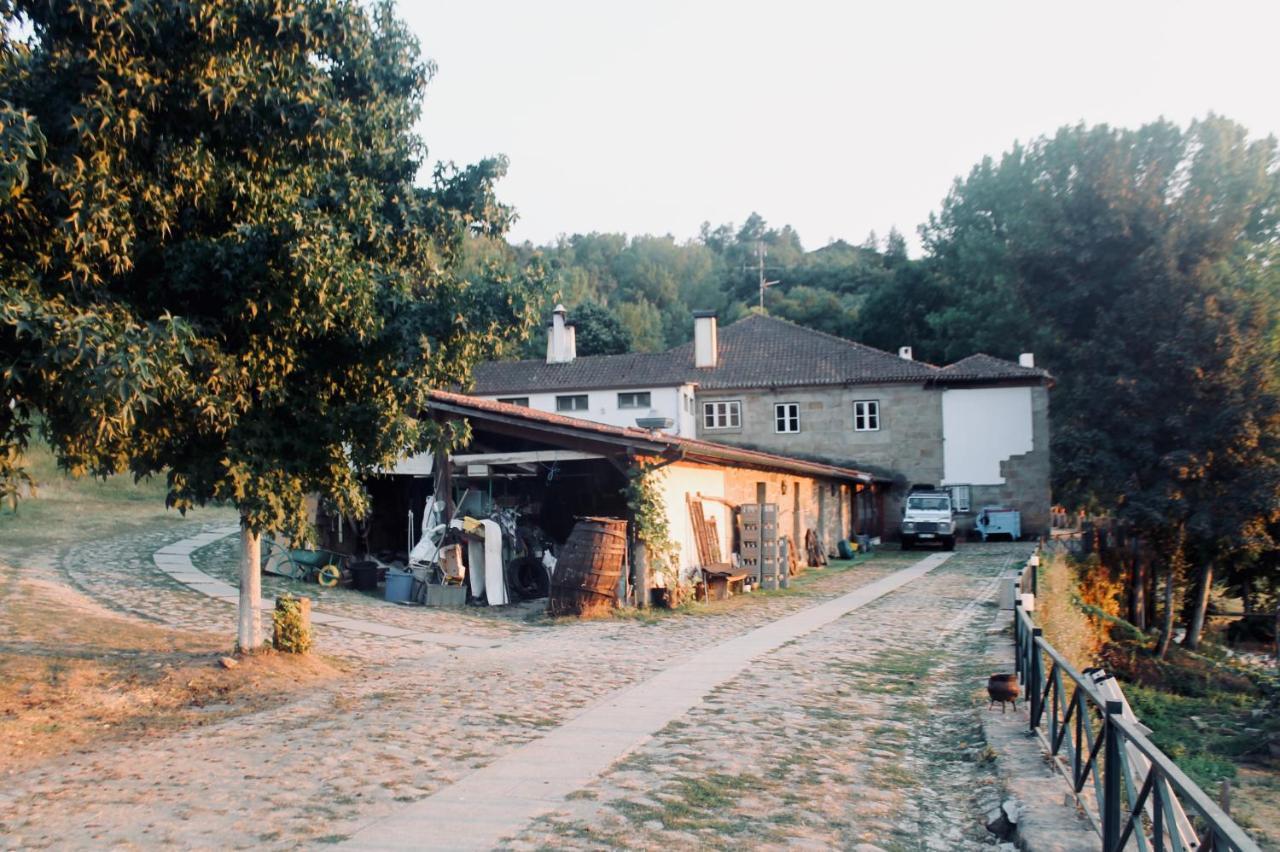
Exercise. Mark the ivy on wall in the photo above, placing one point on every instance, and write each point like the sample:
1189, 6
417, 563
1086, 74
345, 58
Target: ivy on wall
644, 498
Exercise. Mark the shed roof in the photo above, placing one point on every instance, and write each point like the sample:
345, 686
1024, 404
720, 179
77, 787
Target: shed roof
543, 424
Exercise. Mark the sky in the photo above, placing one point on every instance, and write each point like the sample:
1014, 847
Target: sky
837, 118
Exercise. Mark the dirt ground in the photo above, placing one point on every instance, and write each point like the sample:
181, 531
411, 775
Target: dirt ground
72, 678
73, 674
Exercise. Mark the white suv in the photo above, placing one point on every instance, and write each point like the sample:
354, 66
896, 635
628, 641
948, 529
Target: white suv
928, 516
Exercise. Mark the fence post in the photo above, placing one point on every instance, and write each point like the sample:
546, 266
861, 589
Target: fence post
1035, 571
1018, 650
1111, 780
1033, 678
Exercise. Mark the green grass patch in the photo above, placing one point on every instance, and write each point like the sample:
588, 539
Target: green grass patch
694, 804
64, 510
1206, 736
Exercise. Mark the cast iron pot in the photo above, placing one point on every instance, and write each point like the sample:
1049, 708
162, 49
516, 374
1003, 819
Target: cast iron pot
1002, 688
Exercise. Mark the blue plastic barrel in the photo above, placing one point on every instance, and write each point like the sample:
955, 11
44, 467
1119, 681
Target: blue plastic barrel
399, 585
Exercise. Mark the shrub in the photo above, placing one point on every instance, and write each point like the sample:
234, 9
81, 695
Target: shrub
292, 626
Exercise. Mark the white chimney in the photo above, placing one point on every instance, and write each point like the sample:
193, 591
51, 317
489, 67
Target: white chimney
706, 344
561, 339
1027, 359
904, 352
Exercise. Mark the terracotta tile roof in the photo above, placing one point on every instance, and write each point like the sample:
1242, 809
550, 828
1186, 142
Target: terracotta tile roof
763, 351
757, 351
650, 441
985, 368
754, 352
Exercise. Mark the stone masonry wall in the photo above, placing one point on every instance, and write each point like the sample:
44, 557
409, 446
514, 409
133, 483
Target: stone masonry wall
907, 446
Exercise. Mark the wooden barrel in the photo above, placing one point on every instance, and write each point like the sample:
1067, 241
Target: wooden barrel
589, 567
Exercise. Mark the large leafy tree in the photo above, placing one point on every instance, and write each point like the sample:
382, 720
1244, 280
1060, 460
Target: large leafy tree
1139, 264
216, 262
598, 331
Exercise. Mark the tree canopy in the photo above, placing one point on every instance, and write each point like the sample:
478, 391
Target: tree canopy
217, 263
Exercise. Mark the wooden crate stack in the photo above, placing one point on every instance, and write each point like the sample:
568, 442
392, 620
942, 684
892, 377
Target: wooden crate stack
758, 537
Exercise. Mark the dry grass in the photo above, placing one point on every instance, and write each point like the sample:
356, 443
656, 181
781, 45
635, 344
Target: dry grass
1065, 625
71, 678
72, 674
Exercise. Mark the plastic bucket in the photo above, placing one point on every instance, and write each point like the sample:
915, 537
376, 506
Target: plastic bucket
364, 576
399, 585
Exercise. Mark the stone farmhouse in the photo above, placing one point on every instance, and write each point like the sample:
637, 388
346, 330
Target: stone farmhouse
978, 427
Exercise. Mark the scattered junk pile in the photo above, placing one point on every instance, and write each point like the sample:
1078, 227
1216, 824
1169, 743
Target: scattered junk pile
483, 553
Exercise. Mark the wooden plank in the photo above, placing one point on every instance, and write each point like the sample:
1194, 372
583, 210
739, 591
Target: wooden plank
713, 537
699, 523
525, 457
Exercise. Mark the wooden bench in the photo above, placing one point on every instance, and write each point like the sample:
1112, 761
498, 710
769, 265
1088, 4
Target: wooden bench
723, 581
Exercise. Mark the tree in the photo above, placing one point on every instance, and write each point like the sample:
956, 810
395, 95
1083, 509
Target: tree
599, 332
1139, 265
643, 322
217, 264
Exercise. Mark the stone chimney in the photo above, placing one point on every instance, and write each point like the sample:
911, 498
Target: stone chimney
904, 352
706, 343
562, 340
1027, 359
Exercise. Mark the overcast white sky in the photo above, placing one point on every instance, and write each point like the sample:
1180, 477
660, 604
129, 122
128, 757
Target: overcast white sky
837, 118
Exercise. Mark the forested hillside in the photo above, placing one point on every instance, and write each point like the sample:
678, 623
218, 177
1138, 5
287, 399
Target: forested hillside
637, 293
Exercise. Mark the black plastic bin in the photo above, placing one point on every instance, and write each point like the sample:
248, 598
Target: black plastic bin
364, 576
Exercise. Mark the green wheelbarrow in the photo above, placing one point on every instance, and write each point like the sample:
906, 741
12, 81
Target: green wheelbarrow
324, 566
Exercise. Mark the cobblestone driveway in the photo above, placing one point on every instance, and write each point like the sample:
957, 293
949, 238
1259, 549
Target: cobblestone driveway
861, 730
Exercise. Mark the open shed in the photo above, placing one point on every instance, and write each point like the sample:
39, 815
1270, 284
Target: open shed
554, 469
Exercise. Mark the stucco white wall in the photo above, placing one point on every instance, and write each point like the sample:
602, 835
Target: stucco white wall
982, 427
602, 406
681, 480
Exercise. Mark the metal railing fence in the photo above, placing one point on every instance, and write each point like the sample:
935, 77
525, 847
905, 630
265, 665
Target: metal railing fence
1133, 793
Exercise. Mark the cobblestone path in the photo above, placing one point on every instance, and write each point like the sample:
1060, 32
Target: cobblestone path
861, 735
861, 730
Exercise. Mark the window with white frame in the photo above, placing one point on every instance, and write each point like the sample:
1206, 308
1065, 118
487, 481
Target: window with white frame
866, 415
576, 402
515, 400
722, 415
786, 417
638, 399
960, 497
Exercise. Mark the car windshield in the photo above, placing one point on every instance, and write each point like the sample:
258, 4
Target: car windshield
929, 504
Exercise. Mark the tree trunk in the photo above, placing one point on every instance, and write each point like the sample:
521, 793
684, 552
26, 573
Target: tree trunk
1277, 635
1138, 587
1166, 629
249, 634
640, 571
1195, 624
1153, 588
